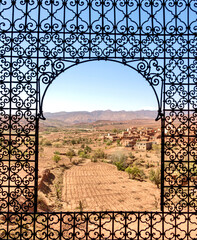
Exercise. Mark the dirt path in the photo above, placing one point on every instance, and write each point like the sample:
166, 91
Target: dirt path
100, 187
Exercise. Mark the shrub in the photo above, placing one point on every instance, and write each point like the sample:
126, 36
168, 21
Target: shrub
147, 165
57, 145
87, 149
80, 151
82, 154
73, 142
57, 153
129, 171
118, 142
79, 140
120, 165
46, 132
98, 154
93, 159
41, 149
64, 142
131, 155
135, 173
56, 158
41, 141
58, 191
53, 129
156, 148
119, 161
88, 141
155, 177
109, 142
47, 143
70, 154
75, 162
139, 163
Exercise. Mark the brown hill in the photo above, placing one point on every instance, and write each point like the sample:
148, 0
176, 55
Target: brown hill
89, 117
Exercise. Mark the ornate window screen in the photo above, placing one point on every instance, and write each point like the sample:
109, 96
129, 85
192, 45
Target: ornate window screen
40, 39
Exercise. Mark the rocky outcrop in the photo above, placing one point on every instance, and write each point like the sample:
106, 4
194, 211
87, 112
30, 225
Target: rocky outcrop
45, 179
43, 203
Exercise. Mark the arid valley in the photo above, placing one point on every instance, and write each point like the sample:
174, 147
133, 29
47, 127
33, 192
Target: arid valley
99, 165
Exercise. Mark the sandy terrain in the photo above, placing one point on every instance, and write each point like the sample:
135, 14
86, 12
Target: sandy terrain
100, 186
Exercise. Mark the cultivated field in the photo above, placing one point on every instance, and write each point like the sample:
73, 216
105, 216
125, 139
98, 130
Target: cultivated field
101, 187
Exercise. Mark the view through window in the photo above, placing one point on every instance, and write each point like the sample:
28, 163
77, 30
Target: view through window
100, 145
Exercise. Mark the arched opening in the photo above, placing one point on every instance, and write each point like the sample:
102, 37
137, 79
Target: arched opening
111, 75
106, 160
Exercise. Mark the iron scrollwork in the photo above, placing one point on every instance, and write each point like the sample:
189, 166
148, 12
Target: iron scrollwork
41, 39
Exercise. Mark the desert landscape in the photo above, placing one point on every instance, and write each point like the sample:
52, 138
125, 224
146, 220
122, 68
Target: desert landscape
101, 165
99, 178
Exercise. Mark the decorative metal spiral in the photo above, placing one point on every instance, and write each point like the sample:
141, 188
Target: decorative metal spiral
41, 39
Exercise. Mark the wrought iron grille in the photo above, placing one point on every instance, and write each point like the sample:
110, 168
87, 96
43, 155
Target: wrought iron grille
40, 39
99, 225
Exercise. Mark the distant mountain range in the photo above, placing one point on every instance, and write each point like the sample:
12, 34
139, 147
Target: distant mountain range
89, 117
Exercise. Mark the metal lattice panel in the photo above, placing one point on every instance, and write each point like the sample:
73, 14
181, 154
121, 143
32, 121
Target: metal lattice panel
41, 39
98, 225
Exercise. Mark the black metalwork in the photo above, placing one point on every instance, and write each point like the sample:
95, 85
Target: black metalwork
98, 225
40, 39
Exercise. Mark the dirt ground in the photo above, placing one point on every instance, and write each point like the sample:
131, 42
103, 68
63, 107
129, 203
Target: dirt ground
101, 187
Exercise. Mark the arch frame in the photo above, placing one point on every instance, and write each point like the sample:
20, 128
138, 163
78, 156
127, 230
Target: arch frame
146, 76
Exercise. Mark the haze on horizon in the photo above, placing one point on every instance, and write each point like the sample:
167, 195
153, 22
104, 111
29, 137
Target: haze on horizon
98, 110
99, 85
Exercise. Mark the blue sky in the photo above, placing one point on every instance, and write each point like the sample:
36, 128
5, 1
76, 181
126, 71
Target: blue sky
99, 85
